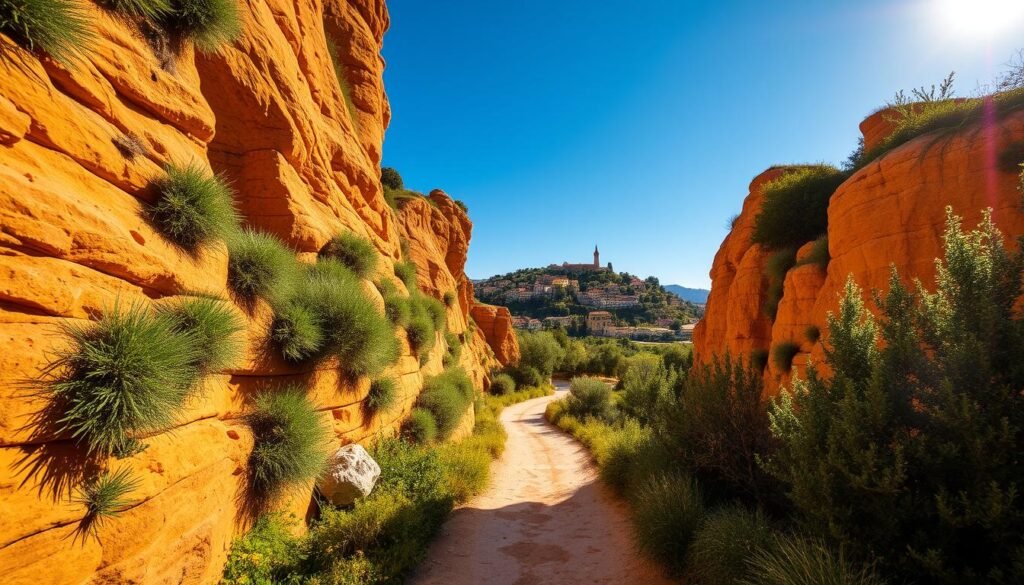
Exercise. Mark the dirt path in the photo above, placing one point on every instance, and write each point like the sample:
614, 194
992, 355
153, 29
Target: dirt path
545, 518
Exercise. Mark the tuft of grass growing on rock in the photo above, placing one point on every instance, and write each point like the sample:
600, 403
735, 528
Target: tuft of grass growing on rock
260, 265
193, 209
420, 427
343, 83
818, 254
290, 442
406, 272
812, 333
449, 298
783, 354
398, 310
152, 10
126, 374
433, 309
209, 24
724, 544
212, 326
447, 396
794, 560
382, 395
58, 28
354, 252
795, 206
776, 268
105, 497
759, 359
296, 332
667, 512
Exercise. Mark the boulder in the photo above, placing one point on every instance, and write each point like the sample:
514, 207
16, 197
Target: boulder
351, 474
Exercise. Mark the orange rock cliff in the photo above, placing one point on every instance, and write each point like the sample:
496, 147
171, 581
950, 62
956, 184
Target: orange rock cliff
891, 212
267, 112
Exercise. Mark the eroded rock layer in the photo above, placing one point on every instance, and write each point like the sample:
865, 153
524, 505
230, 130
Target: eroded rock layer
79, 148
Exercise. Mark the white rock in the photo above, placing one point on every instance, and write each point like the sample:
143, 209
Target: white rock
351, 474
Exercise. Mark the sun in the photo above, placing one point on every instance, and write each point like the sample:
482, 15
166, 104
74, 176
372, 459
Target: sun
980, 18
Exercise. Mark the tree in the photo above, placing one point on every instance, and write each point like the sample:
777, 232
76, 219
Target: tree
390, 178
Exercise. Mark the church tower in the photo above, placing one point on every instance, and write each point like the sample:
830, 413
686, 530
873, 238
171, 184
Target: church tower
597, 257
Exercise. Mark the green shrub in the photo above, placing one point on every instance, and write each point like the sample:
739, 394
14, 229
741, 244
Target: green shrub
759, 359
260, 265
783, 354
211, 325
127, 374
398, 310
296, 331
104, 497
449, 298
289, 442
799, 561
812, 333
502, 384
59, 28
433, 309
209, 24
467, 468
539, 350
462, 205
420, 427
151, 10
776, 267
390, 178
382, 395
421, 335
818, 254
645, 384
454, 345
265, 555
193, 208
908, 450
447, 396
406, 272
354, 252
618, 465
795, 207
667, 511
589, 397
724, 545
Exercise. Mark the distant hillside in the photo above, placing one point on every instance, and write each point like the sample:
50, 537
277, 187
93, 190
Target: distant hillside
694, 295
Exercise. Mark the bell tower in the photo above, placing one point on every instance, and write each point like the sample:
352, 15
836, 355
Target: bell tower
597, 257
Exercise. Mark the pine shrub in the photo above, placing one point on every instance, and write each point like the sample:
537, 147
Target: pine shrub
193, 208
290, 442
390, 178
260, 265
795, 206
354, 252
58, 28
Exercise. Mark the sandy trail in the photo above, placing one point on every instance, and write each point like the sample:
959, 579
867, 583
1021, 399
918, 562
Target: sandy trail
544, 519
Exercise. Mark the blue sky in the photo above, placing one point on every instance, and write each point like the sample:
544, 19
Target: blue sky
638, 125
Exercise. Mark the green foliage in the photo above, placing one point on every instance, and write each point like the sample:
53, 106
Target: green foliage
646, 384
421, 334
795, 207
759, 359
454, 348
193, 208
343, 83
629, 456
406, 272
296, 331
398, 309
799, 561
265, 555
783, 354
502, 384
420, 427
818, 254
812, 333
382, 395
908, 450
105, 497
447, 396
449, 298
290, 442
776, 267
667, 511
434, 309
724, 545
125, 375
260, 265
589, 397
212, 326
209, 24
58, 28
354, 252
539, 350
390, 178
462, 205
151, 10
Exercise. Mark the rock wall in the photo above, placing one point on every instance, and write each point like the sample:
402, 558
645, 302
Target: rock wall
269, 114
889, 213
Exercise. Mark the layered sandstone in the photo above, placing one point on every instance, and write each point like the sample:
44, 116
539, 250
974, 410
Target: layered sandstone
269, 114
889, 213
495, 323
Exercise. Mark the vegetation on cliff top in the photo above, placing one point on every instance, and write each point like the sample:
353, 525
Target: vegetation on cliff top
58, 28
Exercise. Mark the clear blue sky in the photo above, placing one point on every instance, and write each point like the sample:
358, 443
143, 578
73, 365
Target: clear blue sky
638, 125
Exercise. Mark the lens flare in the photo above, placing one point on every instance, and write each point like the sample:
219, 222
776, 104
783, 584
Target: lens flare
980, 18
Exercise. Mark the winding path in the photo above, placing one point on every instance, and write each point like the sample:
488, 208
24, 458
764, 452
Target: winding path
545, 519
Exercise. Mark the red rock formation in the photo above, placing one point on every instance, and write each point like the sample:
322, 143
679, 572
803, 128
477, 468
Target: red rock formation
495, 323
267, 112
889, 213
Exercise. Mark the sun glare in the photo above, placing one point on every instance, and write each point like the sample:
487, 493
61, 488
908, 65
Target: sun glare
978, 19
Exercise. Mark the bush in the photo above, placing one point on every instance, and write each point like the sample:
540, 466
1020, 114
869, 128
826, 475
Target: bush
908, 450
812, 333
447, 396
207, 23
289, 442
783, 354
125, 375
724, 545
798, 561
104, 497
260, 265
589, 397
539, 350
434, 309
645, 384
758, 359
151, 10
382, 395
211, 325
354, 252
776, 267
398, 310
449, 298
406, 272
502, 384
193, 208
795, 207
390, 178
267, 554
296, 331
622, 458
420, 427
667, 511
59, 28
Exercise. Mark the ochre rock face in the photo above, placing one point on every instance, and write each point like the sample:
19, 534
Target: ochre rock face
268, 113
889, 213
495, 323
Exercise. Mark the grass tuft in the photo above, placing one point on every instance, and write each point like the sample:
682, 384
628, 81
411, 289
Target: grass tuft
723, 546
406, 272
420, 427
795, 206
812, 333
58, 28
795, 560
354, 252
296, 332
105, 496
209, 24
447, 396
260, 265
194, 209
667, 511
776, 267
783, 354
818, 255
398, 309
383, 394
212, 326
152, 10
449, 298
290, 442
759, 359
